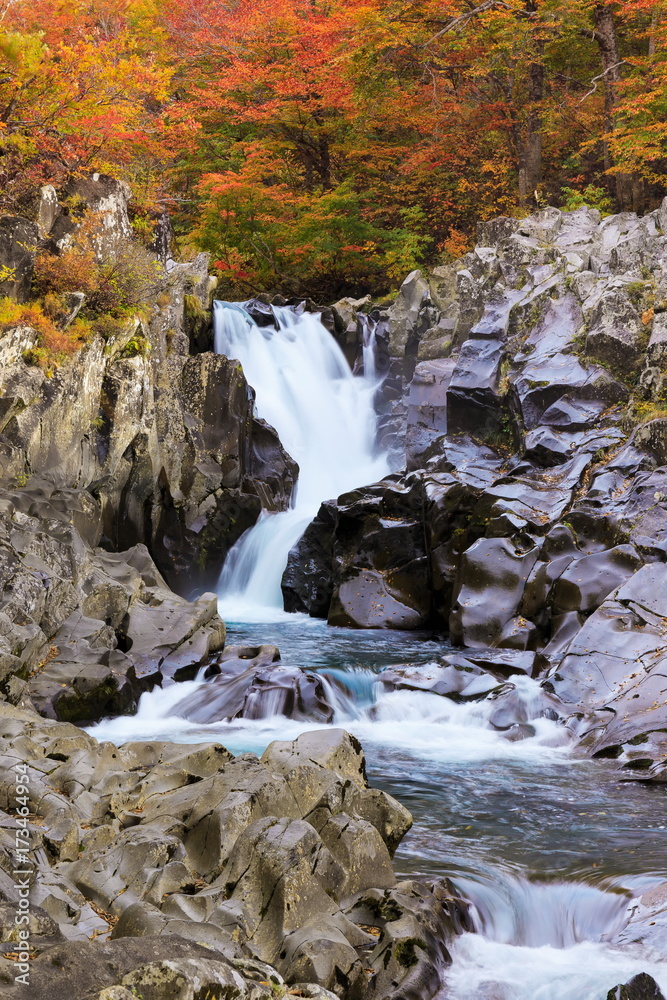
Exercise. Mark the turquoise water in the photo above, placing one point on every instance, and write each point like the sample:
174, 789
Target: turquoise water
549, 847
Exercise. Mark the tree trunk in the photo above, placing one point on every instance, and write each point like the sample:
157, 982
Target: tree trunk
605, 35
530, 154
530, 144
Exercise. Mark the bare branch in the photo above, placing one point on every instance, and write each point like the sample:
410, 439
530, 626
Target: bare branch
600, 76
462, 19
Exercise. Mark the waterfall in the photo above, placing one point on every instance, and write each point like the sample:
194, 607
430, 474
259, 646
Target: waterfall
325, 419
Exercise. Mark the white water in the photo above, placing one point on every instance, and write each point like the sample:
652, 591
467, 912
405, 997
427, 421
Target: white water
325, 420
425, 725
534, 939
541, 932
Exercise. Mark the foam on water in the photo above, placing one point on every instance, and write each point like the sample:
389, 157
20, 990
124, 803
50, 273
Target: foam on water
484, 969
482, 799
325, 420
427, 726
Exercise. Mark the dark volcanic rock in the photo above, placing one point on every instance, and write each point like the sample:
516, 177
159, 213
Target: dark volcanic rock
379, 557
259, 692
614, 670
307, 583
641, 987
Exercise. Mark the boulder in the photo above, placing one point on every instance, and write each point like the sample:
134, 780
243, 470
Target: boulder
379, 558
640, 987
614, 332
613, 670
307, 583
427, 408
410, 315
473, 393
493, 576
260, 693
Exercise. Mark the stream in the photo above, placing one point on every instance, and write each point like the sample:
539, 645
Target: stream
549, 848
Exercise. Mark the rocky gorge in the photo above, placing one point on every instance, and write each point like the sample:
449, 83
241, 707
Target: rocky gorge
522, 405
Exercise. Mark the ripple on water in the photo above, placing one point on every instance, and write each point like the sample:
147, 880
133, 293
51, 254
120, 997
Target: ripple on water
549, 847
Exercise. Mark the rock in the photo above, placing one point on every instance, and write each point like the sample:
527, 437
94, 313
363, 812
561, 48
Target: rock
187, 979
647, 924
587, 581
333, 749
347, 331
80, 969
460, 681
473, 393
286, 845
260, 693
308, 581
615, 666
104, 196
494, 572
614, 332
19, 239
427, 408
379, 558
272, 474
409, 316
640, 987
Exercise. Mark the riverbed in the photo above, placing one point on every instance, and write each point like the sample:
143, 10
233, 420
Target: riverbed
549, 847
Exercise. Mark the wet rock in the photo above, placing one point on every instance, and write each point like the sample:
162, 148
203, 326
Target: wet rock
473, 394
379, 557
307, 583
415, 923
586, 581
493, 575
259, 693
514, 706
346, 331
460, 681
640, 987
647, 924
427, 407
615, 664
449, 503
272, 473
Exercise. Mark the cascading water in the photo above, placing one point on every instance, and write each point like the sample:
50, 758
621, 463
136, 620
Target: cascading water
325, 419
548, 849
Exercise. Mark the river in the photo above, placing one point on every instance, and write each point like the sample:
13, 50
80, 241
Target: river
549, 847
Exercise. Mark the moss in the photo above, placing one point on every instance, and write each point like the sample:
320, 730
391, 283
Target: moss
405, 952
137, 346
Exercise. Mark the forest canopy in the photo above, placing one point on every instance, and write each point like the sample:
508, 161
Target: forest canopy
331, 146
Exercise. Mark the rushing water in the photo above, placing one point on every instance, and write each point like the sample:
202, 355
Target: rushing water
549, 848
325, 420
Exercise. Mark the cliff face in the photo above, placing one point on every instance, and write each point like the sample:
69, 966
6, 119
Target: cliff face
527, 386
135, 443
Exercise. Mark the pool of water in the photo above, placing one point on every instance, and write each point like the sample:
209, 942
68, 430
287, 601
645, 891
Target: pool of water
549, 847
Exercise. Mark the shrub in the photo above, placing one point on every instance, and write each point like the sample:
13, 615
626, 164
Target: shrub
112, 282
54, 345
